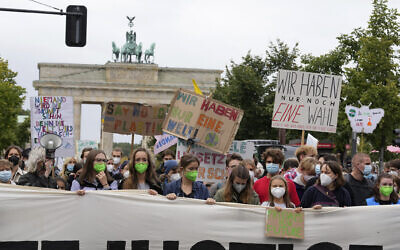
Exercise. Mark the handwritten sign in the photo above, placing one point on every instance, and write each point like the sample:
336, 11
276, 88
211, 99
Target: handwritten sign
363, 119
211, 123
212, 164
81, 144
53, 114
134, 118
306, 101
284, 224
163, 142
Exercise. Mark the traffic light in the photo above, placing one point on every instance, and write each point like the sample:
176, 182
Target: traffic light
75, 32
396, 140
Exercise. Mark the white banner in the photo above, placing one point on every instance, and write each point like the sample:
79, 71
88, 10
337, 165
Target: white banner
212, 164
306, 101
113, 220
53, 114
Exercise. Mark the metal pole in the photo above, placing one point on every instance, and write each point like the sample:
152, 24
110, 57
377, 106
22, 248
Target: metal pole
353, 144
41, 12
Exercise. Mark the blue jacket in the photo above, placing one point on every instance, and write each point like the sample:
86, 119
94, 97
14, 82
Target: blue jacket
372, 202
199, 191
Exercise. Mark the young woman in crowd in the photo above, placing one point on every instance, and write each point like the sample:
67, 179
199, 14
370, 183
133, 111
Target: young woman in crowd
142, 173
5, 172
94, 175
238, 188
384, 193
68, 167
328, 190
278, 194
305, 172
14, 155
251, 166
289, 168
171, 173
187, 186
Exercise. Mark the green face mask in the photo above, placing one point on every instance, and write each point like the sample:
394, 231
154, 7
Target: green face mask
386, 190
98, 167
141, 167
191, 175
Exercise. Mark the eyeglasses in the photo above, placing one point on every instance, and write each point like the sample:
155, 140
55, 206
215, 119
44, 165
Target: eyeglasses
141, 160
100, 160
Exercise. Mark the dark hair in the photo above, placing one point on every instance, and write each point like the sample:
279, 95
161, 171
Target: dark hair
85, 150
336, 169
186, 159
394, 164
117, 150
168, 152
77, 166
394, 198
286, 196
13, 147
243, 173
290, 163
25, 152
88, 172
330, 157
276, 155
151, 177
234, 156
64, 181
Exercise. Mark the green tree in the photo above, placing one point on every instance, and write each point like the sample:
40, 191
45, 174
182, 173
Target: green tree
11, 100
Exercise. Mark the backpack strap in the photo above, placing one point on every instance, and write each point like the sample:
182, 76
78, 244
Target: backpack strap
326, 192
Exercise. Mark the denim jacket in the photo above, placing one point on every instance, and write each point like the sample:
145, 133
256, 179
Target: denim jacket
199, 191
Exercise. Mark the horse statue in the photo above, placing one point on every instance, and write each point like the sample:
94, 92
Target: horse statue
138, 53
115, 52
129, 47
149, 52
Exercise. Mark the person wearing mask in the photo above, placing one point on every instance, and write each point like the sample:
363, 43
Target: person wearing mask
14, 155
231, 162
25, 156
289, 168
279, 194
305, 151
251, 166
328, 191
393, 167
94, 175
238, 188
171, 172
68, 167
359, 185
84, 154
274, 160
384, 193
74, 175
305, 172
142, 173
187, 186
5, 172
117, 166
39, 169
167, 155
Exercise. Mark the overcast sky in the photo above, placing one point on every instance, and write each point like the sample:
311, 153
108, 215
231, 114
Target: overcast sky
188, 33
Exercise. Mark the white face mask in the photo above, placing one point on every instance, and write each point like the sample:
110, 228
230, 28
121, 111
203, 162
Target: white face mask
110, 167
175, 177
393, 173
278, 192
251, 174
239, 187
307, 177
116, 160
325, 179
126, 174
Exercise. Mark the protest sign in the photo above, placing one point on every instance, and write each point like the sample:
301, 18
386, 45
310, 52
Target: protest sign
312, 141
53, 114
306, 101
81, 144
211, 123
212, 164
363, 119
133, 118
163, 142
151, 226
284, 224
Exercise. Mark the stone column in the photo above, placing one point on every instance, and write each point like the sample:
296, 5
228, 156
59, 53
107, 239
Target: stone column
77, 120
106, 138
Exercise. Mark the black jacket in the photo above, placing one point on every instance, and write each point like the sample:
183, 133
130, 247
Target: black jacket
31, 179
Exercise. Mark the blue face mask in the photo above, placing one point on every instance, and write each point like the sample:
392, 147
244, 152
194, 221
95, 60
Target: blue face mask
367, 169
5, 175
272, 168
317, 169
70, 167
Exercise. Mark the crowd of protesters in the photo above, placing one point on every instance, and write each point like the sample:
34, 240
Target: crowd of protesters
307, 181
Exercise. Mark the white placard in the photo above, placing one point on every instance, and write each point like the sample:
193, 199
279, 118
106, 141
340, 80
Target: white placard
53, 114
312, 141
363, 119
306, 101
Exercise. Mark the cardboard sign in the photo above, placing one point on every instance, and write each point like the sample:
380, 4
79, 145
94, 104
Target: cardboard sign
306, 101
211, 123
81, 144
134, 118
363, 119
212, 164
53, 114
163, 142
284, 224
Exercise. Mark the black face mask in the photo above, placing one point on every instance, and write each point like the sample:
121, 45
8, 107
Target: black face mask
14, 160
